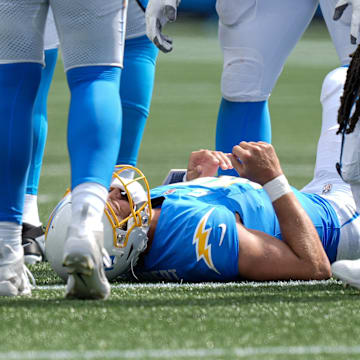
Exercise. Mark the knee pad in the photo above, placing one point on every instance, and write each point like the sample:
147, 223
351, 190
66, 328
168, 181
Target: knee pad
242, 77
232, 12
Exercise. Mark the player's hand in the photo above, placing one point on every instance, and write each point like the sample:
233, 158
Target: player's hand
158, 13
355, 17
256, 161
206, 163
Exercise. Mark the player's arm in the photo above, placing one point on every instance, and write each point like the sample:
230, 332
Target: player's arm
355, 16
300, 256
262, 257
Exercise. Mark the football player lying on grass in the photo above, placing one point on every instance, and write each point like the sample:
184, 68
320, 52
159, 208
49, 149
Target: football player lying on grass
225, 228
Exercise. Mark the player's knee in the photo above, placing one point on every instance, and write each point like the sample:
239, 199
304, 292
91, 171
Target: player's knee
90, 74
243, 75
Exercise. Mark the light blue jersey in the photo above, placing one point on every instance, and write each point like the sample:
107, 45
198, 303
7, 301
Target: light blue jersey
196, 237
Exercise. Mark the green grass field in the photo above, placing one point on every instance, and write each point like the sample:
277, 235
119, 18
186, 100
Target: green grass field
287, 320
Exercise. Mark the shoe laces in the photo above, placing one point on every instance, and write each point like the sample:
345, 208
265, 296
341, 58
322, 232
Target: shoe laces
29, 277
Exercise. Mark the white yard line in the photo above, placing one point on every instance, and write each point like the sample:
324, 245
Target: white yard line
181, 353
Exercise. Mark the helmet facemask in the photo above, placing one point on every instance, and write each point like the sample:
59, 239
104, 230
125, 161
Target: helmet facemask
129, 235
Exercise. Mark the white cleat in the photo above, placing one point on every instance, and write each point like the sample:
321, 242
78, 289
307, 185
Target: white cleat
84, 262
348, 271
14, 275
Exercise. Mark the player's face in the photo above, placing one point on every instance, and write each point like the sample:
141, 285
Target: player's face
119, 203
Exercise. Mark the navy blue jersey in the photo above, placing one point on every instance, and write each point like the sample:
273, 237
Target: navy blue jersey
196, 237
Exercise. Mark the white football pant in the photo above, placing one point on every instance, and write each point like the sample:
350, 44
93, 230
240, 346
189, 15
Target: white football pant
257, 36
327, 182
91, 32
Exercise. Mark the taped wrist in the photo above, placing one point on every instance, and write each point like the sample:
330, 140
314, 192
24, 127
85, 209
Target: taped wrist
277, 187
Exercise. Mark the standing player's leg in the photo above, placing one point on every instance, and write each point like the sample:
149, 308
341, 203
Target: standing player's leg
339, 30
137, 82
256, 37
92, 48
21, 58
32, 231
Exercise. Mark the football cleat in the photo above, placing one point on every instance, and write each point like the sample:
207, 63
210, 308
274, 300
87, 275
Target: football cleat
348, 271
84, 262
14, 275
33, 242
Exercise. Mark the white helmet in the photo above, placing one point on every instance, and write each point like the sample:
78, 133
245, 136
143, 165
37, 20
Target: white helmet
124, 239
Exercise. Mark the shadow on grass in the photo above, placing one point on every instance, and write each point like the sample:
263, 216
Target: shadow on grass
178, 297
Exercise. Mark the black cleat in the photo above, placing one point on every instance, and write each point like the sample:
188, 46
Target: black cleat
33, 238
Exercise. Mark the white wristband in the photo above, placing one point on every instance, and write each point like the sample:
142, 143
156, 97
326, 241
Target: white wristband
277, 187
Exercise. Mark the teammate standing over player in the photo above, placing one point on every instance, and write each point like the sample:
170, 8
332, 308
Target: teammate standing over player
256, 38
32, 230
136, 87
92, 38
137, 82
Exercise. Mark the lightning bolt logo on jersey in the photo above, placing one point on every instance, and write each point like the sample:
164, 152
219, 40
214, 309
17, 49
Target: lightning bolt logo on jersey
201, 237
196, 235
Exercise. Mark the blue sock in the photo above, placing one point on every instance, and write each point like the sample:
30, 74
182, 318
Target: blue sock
18, 86
94, 128
137, 83
241, 121
40, 124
